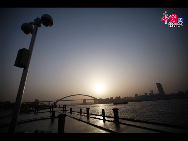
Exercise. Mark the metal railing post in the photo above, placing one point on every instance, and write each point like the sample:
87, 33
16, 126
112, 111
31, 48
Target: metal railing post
87, 112
61, 123
80, 111
116, 117
103, 114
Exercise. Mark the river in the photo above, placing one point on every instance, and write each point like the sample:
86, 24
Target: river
173, 111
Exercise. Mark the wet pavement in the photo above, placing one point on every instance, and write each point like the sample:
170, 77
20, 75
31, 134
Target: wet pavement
76, 123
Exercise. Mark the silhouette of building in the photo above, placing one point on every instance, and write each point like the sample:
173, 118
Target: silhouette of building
151, 93
36, 102
84, 101
95, 100
117, 99
111, 99
160, 88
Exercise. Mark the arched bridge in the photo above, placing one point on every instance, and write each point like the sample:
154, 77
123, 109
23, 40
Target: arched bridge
84, 100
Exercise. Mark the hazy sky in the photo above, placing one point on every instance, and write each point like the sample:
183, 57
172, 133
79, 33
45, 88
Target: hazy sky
123, 50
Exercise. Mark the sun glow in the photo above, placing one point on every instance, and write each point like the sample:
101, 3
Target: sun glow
99, 88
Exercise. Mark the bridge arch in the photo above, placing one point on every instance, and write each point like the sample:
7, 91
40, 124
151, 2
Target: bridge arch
73, 95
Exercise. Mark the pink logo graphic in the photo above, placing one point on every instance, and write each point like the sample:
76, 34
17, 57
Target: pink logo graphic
173, 20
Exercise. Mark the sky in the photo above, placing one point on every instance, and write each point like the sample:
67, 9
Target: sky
102, 52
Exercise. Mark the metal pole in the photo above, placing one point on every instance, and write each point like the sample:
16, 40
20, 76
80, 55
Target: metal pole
103, 114
22, 84
80, 111
87, 112
116, 117
53, 116
61, 123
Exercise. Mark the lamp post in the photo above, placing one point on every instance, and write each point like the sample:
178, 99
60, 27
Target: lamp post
27, 28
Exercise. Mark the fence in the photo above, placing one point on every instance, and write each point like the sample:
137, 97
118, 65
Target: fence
114, 115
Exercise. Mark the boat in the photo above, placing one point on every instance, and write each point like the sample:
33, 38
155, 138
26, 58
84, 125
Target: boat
115, 103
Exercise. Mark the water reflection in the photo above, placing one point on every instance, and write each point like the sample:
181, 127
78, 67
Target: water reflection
165, 111
99, 122
117, 127
172, 111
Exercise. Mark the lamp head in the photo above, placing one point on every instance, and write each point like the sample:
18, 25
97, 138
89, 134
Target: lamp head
27, 28
47, 20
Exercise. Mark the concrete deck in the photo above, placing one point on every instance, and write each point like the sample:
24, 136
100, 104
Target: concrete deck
75, 123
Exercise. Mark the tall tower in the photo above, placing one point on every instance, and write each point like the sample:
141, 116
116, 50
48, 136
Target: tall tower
84, 101
160, 88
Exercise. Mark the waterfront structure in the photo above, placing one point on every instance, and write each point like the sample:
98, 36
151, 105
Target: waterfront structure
136, 95
151, 93
160, 88
84, 101
95, 100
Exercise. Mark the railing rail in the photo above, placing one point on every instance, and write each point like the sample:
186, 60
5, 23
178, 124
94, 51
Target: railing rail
106, 117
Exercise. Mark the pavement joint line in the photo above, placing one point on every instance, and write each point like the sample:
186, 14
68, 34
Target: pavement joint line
146, 128
155, 123
149, 122
43, 118
87, 122
34, 119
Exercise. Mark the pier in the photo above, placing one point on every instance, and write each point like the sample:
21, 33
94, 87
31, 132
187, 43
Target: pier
83, 121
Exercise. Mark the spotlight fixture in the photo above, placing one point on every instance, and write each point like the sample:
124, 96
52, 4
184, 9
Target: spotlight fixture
23, 61
47, 20
27, 28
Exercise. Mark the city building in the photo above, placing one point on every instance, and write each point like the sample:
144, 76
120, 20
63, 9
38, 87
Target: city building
151, 93
160, 88
84, 101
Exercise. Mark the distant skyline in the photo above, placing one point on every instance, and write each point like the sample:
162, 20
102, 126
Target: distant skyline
103, 52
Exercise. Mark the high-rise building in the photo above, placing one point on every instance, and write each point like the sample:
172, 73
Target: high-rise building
84, 101
160, 88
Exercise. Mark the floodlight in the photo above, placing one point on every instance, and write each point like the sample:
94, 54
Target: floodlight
47, 20
23, 61
27, 28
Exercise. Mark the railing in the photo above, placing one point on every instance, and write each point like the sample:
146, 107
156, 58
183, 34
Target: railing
109, 116
114, 114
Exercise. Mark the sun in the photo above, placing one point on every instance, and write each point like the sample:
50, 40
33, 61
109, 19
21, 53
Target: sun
99, 88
